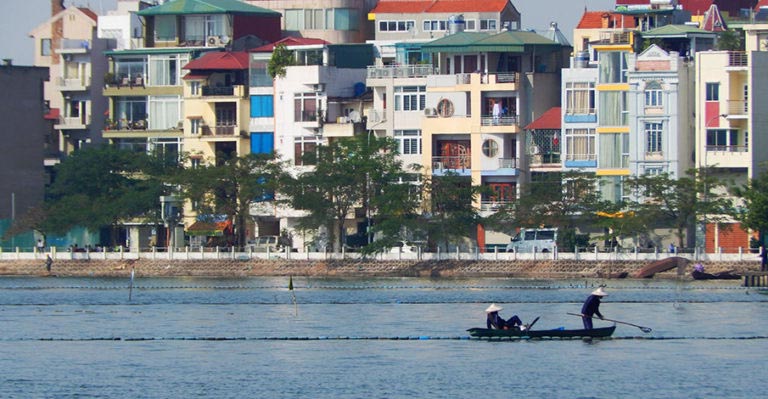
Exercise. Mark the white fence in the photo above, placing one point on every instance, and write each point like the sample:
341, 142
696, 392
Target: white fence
223, 253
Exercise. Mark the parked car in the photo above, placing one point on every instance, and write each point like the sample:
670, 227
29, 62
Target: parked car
264, 244
533, 240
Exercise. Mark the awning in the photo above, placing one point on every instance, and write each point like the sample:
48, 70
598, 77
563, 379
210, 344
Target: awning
208, 229
53, 114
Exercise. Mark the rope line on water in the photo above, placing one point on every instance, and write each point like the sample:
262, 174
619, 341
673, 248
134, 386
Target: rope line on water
379, 338
372, 287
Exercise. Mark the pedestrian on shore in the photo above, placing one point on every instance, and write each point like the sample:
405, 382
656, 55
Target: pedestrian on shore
763, 259
48, 263
592, 307
494, 321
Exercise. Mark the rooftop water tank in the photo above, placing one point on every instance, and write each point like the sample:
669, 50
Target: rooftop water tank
581, 60
456, 24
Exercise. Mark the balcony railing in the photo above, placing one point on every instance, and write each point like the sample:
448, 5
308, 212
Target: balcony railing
140, 124
608, 37
490, 120
73, 122
73, 83
218, 91
507, 163
545, 159
221, 130
727, 148
75, 44
738, 107
451, 162
401, 71
737, 59
493, 205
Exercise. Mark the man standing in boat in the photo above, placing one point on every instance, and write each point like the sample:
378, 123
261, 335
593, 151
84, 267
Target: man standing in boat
494, 321
592, 307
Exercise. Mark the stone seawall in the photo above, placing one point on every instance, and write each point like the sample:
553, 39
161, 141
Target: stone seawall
350, 268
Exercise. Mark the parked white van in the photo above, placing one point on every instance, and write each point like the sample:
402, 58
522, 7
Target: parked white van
533, 240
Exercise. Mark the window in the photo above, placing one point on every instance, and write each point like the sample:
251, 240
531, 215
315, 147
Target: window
408, 141
470, 24
194, 125
194, 88
724, 139
164, 112
45, 47
410, 98
303, 146
166, 70
129, 110
487, 24
258, 74
396, 26
128, 68
490, 148
165, 27
445, 108
305, 107
198, 27
613, 108
435, 26
653, 95
614, 150
612, 67
345, 19
580, 144
580, 98
226, 115
653, 137
262, 106
299, 19
713, 91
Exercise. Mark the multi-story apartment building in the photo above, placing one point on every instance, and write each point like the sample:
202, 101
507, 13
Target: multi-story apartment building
731, 121
67, 44
335, 21
401, 26
321, 98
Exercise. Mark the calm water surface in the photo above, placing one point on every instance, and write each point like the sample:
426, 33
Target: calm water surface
373, 338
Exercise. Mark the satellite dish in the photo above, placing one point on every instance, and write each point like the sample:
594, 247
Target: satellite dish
354, 116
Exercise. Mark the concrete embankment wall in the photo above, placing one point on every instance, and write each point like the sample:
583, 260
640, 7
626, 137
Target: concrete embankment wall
349, 268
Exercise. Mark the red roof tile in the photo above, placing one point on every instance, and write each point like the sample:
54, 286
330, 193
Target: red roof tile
594, 20
288, 41
220, 60
548, 120
87, 11
438, 6
761, 3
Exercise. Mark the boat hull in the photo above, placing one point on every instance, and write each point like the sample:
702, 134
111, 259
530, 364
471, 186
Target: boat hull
603, 332
716, 276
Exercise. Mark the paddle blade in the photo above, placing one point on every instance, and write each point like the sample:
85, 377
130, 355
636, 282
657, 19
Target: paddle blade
646, 329
290, 283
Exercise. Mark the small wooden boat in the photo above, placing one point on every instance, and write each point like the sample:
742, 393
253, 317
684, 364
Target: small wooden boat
662, 266
728, 275
602, 332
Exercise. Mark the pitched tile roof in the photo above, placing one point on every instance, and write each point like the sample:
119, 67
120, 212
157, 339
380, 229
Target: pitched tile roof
548, 120
437, 6
696, 7
594, 20
87, 11
220, 60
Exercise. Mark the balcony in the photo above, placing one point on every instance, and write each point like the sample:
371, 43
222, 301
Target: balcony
737, 59
221, 131
613, 37
461, 162
493, 205
343, 128
224, 91
490, 120
74, 46
738, 108
124, 81
73, 122
73, 84
401, 71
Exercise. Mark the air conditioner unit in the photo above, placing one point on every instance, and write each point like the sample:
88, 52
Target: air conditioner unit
430, 112
437, 165
319, 87
213, 41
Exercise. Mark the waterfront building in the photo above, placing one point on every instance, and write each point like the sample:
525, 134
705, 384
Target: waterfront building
67, 44
731, 121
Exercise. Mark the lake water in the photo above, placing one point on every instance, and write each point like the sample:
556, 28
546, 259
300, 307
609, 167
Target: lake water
373, 338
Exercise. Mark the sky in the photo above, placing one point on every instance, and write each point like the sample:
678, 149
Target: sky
19, 17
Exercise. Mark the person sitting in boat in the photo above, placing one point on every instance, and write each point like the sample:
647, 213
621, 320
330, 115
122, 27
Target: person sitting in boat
494, 321
592, 307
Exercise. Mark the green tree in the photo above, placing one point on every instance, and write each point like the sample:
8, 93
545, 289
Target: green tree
753, 212
231, 186
680, 202
281, 58
731, 39
103, 186
449, 212
349, 173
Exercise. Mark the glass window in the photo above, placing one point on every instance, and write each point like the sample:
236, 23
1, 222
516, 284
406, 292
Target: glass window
713, 91
258, 74
305, 107
194, 29
490, 148
580, 98
165, 70
580, 144
613, 67
303, 146
45, 47
614, 150
410, 98
165, 27
613, 108
470, 24
487, 24
129, 111
409, 141
129, 68
653, 95
653, 137
164, 112
294, 19
345, 19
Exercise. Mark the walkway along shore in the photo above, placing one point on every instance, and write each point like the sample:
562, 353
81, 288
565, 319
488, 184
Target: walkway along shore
245, 267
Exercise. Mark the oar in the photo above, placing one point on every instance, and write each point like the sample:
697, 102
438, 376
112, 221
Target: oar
532, 323
644, 329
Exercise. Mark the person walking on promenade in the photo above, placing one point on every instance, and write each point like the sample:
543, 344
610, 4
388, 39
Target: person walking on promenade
592, 307
763, 259
40, 245
48, 263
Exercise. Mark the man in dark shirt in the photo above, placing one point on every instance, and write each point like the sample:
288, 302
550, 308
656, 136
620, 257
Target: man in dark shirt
592, 307
494, 321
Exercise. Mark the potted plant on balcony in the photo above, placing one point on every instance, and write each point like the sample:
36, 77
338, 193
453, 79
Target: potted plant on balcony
109, 78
